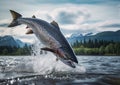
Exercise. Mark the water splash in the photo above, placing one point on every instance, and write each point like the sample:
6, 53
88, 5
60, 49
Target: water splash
46, 63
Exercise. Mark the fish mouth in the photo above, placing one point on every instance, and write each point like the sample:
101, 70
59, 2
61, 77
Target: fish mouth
65, 59
71, 64
68, 62
66, 55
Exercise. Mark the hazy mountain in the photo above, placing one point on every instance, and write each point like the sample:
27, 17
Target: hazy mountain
21, 44
10, 41
88, 34
106, 35
76, 35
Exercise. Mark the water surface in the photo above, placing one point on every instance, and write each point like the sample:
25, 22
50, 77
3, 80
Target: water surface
45, 70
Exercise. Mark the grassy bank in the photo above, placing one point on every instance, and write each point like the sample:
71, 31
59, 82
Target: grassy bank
90, 47
93, 51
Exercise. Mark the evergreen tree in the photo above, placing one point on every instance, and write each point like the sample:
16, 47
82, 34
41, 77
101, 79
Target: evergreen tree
102, 50
5, 51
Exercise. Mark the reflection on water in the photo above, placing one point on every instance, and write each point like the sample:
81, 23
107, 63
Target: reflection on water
45, 70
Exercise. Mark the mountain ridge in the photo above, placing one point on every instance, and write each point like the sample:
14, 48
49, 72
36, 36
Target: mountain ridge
105, 35
8, 40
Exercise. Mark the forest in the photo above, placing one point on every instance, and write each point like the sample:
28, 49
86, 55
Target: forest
86, 47
96, 47
8, 50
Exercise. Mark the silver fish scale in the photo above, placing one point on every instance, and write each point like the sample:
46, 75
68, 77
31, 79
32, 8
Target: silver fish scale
43, 35
49, 34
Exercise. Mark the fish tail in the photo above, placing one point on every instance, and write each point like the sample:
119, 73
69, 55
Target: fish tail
15, 16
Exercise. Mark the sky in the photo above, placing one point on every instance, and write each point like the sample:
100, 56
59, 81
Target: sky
73, 16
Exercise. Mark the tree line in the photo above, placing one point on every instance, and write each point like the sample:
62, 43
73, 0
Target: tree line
96, 47
9, 50
85, 47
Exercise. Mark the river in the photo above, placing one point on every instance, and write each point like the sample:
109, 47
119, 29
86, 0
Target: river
45, 70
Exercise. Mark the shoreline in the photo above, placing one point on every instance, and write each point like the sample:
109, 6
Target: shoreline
98, 55
76, 55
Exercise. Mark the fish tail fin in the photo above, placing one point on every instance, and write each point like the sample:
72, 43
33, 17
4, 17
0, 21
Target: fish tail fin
15, 16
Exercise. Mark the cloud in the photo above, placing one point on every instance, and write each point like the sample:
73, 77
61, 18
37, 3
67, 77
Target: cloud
72, 18
77, 19
106, 25
4, 23
66, 18
68, 1
70, 15
114, 23
93, 27
5, 31
26, 38
17, 32
117, 25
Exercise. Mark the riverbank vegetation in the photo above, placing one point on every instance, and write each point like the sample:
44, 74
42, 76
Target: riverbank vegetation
86, 47
96, 47
8, 50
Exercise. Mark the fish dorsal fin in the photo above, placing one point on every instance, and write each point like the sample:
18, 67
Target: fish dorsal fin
33, 16
55, 24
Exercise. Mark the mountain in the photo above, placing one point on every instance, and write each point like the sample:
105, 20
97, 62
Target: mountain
10, 41
21, 44
106, 35
76, 35
88, 34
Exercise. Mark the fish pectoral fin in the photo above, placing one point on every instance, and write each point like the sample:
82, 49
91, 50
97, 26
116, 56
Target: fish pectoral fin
48, 49
29, 31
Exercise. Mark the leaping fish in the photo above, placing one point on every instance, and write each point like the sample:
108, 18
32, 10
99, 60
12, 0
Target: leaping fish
50, 35
29, 31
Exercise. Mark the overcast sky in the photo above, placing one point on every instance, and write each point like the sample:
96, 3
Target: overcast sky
73, 16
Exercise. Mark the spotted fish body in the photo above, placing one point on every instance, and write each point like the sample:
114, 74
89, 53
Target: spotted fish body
50, 35
40, 29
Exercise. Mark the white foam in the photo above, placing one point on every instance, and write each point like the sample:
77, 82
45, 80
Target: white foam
46, 63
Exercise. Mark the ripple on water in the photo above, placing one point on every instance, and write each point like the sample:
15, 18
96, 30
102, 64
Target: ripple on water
42, 65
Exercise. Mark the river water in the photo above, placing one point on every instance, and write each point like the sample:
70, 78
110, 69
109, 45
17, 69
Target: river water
45, 70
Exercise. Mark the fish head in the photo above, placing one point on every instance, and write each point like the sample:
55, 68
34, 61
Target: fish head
67, 54
68, 62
